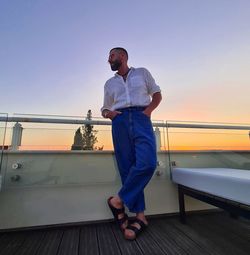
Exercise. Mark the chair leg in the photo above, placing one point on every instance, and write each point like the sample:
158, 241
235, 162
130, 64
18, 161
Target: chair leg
181, 205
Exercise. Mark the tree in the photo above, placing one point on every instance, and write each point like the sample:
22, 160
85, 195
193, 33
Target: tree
78, 140
85, 139
89, 134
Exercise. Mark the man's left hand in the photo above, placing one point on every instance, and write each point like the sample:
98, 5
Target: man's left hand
147, 113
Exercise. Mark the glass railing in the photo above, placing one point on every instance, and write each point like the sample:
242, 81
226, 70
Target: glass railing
3, 127
62, 133
209, 145
49, 150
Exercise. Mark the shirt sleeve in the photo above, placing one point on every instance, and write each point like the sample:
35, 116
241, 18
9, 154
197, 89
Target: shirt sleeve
107, 100
150, 82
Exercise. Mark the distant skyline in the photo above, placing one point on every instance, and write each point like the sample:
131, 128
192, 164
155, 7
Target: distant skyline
53, 55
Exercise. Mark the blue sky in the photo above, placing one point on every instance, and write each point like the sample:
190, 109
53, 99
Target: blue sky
53, 55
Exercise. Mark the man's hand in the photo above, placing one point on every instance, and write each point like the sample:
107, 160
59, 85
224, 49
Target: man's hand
156, 99
147, 112
111, 114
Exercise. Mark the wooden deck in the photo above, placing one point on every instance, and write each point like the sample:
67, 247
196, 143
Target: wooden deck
213, 233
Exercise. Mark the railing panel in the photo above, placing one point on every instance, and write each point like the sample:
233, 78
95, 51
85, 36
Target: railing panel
44, 150
49, 154
207, 147
3, 147
51, 137
56, 132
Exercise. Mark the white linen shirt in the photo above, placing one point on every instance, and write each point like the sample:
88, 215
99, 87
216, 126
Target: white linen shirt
137, 90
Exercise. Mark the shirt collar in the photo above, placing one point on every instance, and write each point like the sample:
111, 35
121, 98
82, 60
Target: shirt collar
117, 75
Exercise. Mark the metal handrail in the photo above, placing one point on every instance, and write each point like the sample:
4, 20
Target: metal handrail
105, 122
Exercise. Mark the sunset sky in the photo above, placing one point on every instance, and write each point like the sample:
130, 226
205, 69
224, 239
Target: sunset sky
53, 55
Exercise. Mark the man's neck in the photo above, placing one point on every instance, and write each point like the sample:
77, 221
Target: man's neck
123, 70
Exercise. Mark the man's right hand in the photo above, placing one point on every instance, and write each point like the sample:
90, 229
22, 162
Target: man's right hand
111, 114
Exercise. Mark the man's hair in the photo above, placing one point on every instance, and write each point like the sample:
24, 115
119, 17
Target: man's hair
120, 49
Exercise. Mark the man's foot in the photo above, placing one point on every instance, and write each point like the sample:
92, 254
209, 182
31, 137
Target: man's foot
134, 229
118, 210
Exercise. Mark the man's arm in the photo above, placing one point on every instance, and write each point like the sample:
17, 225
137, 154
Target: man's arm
156, 99
107, 104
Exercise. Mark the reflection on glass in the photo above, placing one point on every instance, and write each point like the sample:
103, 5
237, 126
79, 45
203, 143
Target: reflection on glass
206, 147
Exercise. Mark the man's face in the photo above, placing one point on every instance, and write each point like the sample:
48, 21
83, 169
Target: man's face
115, 60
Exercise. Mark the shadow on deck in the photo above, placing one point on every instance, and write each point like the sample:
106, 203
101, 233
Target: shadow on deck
212, 233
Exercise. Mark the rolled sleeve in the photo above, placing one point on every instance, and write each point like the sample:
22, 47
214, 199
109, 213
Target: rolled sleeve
107, 100
150, 82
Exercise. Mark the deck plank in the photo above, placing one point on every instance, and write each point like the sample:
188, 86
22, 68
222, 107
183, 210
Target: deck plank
220, 237
51, 242
202, 241
226, 222
88, 241
106, 240
181, 239
70, 242
206, 234
10, 243
32, 243
148, 244
161, 237
233, 238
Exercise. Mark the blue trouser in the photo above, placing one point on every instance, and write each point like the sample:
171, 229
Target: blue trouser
135, 151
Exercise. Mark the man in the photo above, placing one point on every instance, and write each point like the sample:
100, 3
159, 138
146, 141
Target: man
129, 99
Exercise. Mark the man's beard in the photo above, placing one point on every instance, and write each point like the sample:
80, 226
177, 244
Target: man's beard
115, 65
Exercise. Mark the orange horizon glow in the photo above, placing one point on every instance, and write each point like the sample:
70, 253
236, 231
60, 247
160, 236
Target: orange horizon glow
175, 139
173, 148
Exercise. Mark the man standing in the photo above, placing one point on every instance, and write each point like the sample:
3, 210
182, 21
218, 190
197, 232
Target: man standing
129, 99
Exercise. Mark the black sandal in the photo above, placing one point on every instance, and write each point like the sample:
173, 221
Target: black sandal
116, 212
135, 229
